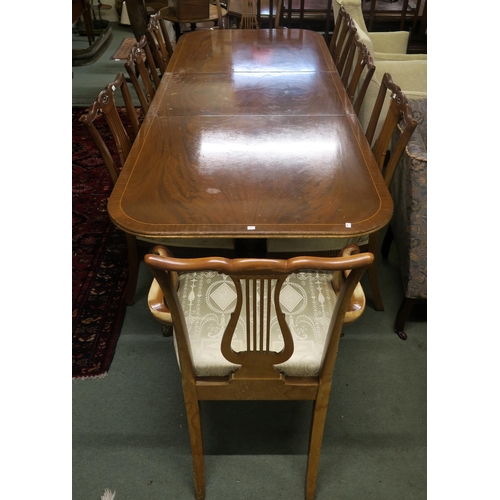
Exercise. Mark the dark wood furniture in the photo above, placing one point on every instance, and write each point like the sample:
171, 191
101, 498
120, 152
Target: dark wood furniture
215, 14
105, 104
159, 41
399, 110
84, 8
358, 59
251, 135
252, 374
142, 72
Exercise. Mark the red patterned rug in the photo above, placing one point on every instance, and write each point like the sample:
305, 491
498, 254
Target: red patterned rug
100, 267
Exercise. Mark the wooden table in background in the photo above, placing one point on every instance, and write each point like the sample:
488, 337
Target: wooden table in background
250, 135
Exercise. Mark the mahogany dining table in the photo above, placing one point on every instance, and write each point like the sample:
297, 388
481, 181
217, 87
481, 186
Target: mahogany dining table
250, 135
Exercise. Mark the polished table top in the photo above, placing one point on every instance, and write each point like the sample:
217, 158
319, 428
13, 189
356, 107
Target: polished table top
250, 134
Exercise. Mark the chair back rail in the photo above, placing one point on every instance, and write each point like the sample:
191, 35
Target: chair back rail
399, 110
364, 60
252, 279
159, 42
254, 377
141, 69
105, 104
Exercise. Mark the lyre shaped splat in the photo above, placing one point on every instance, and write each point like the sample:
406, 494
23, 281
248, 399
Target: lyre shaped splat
256, 296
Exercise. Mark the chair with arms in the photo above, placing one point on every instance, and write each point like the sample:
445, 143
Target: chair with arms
159, 42
105, 105
255, 329
142, 71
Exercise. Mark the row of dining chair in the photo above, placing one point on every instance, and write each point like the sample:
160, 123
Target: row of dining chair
343, 47
356, 68
145, 65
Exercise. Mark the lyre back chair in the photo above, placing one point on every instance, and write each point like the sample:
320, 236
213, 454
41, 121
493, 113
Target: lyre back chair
106, 105
240, 341
351, 76
159, 41
140, 63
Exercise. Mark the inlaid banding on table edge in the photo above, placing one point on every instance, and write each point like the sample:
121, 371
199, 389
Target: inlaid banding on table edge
298, 171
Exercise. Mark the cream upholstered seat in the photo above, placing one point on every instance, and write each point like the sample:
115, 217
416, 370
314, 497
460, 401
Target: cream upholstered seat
307, 299
255, 329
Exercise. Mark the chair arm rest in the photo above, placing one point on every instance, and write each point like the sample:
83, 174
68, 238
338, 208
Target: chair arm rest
395, 42
157, 306
386, 56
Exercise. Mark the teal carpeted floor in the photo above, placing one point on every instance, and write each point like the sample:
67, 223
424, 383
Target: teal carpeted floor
130, 433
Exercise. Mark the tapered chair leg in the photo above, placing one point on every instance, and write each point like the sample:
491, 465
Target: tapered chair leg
386, 242
403, 313
316, 439
196, 439
373, 274
133, 268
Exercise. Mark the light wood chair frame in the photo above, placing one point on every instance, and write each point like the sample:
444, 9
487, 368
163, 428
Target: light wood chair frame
140, 63
249, 15
257, 379
105, 104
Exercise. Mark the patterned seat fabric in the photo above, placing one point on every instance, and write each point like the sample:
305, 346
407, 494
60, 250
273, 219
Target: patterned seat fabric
208, 299
409, 222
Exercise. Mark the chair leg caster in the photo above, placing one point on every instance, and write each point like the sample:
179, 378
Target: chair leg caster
402, 335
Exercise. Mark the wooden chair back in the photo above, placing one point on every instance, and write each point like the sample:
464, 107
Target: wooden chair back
141, 69
249, 15
346, 39
399, 111
351, 76
105, 104
257, 283
339, 34
159, 42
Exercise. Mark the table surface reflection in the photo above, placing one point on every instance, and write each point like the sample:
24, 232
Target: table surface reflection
250, 135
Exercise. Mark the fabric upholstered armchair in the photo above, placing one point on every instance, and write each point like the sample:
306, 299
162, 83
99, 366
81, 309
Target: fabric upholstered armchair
389, 46
388, 49
408, 226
